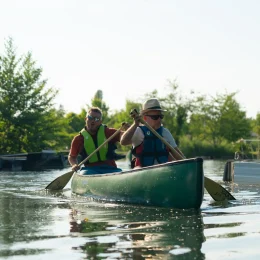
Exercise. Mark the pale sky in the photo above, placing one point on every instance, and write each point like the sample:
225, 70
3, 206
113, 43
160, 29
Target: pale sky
128, 48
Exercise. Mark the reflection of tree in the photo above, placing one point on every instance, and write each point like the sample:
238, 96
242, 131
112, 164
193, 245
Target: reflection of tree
138, 232
20, 216
24, 217
86, 227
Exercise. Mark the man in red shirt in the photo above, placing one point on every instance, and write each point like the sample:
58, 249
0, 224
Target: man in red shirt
89, 139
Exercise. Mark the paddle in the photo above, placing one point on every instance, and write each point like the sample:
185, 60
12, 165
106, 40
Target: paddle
215, 190
60, 182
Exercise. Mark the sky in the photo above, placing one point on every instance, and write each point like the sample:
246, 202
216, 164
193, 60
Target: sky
127, 48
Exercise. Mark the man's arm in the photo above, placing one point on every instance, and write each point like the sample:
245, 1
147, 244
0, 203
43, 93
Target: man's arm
76, 146
72, 160
126, 138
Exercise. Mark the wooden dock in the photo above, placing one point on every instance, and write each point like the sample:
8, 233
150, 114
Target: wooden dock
38, 161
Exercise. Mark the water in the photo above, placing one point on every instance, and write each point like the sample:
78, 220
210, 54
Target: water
35, 224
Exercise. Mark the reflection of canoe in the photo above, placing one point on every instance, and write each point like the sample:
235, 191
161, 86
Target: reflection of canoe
144, 231
177, 184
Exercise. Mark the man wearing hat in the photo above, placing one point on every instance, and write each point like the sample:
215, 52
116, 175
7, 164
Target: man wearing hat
146, 147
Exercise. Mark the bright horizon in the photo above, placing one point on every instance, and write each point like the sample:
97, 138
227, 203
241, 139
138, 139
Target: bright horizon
129, 48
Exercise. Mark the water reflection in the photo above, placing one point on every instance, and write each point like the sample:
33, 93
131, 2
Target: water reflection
137, 232
35, 224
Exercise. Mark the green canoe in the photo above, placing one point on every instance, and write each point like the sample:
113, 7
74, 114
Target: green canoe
178, 184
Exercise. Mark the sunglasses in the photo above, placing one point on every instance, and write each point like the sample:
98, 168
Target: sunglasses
96, 119
156, 117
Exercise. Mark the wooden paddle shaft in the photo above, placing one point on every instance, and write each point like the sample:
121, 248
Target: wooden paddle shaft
216, 191
175, 153
60, 182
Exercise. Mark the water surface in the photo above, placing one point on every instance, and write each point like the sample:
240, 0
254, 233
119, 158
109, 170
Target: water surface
35, 224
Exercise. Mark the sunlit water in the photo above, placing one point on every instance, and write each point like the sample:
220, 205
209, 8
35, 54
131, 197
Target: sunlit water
35, 224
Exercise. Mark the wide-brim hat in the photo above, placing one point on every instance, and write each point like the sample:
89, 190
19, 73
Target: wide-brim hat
151, 104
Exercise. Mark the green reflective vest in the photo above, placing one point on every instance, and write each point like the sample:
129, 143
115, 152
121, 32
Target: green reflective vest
90, 145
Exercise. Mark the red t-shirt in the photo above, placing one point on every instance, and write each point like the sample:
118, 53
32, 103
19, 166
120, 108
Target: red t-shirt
77, 145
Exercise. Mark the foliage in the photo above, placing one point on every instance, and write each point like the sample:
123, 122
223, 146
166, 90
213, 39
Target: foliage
75, 122
233, 122
219, 118
201, 125
122, 116
97, 101
178, 107
256, 125
197, 148
27, 119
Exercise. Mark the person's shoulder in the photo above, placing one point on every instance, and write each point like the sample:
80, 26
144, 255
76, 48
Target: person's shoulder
139, 131
166, 133
168, 136
110, 131
78, 137
166, 130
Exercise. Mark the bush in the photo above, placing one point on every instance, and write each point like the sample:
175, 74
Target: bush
198, 148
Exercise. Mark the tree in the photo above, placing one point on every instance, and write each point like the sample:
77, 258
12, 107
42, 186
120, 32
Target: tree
75, 122
123, 115
28, 120
256, 125
97, 101
204, 122
219, 118
178, 108
233, 121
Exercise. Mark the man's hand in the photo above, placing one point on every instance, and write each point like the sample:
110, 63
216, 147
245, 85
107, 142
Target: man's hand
134, 114
75, 167
125, 126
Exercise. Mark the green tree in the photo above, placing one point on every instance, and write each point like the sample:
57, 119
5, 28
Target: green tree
123, 115
75, 122
256, 125
204, 123
97, 101
178, 108
233, 121
28, 121
218, 118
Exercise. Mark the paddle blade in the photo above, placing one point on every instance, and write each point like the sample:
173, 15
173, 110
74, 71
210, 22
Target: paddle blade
216, 191
60, 182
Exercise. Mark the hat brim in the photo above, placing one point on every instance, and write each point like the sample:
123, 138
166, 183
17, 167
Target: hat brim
153, 109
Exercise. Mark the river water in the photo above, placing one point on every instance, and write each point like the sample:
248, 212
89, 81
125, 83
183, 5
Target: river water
35, 224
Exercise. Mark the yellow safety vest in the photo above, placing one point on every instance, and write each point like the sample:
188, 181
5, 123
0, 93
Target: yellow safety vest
90, 146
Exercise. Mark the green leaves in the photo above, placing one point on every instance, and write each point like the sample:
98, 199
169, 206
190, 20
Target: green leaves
27, 117
29, 122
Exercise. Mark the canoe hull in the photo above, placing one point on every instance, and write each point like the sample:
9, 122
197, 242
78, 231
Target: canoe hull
177, 184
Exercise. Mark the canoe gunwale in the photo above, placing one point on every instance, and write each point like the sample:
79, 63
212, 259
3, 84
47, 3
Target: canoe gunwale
157, 166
